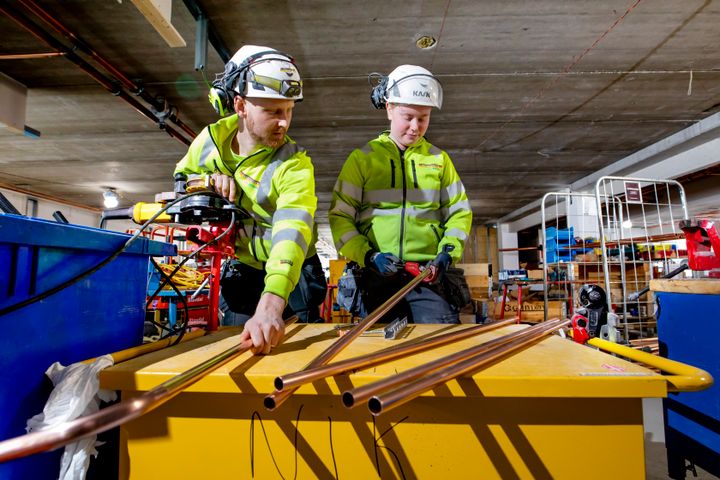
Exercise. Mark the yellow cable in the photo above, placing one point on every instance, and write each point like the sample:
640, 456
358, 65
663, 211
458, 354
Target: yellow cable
186, 278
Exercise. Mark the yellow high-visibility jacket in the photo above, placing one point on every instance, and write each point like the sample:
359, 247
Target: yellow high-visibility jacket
277, 189
409, 203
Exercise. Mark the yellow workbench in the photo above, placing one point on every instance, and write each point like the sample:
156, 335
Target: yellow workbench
554, 410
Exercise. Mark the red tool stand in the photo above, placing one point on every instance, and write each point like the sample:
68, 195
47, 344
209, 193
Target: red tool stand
703, 245
225, 246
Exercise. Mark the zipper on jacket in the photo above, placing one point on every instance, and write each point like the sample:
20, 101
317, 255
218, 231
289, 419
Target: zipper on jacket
392, 173
404, 200
436, 232
252, 240
412, 162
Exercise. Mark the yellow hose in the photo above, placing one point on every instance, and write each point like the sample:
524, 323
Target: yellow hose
682, 378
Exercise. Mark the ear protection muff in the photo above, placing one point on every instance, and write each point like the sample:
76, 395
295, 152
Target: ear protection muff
377, 94
219, 99
222, 94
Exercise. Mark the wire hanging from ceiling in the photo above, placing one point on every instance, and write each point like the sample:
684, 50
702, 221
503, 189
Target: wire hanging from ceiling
442, 27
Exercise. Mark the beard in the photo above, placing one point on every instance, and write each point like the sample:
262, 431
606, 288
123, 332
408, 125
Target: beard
270, 138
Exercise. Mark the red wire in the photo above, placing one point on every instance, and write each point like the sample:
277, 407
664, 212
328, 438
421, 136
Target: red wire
442, 27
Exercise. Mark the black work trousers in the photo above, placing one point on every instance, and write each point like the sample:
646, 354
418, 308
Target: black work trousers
423, 304
241, 287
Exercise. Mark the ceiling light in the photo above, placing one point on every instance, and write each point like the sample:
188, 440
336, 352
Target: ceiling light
425, 41
110, 198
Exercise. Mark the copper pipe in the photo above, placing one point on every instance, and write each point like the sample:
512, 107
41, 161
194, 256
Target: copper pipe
366, 361
394, 398
355, 396
130, 353
110, 68
274, 400
107, 83
663, 237
25, 56
118, 414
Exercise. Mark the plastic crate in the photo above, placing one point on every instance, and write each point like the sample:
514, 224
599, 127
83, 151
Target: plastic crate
99, 314
560, 233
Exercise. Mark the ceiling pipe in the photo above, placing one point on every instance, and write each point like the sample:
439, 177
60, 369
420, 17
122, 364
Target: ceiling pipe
109, 85
26, 56
81, 45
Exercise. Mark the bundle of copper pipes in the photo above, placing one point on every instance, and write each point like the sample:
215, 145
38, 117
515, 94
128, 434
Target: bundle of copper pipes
398, 389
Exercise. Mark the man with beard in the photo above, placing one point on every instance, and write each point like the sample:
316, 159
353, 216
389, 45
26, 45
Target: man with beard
255, 164
399, 198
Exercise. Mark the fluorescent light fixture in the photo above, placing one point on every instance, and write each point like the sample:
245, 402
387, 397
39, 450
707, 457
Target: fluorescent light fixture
110, 198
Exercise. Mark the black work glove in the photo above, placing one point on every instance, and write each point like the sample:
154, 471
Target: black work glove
441, 263
386, 264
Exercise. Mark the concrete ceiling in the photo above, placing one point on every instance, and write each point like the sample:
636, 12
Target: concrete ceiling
538, 94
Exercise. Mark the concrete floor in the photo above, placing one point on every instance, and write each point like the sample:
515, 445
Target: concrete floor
656, 464
655, 453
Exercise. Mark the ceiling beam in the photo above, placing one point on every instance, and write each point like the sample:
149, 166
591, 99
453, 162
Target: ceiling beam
13, 98
159, 14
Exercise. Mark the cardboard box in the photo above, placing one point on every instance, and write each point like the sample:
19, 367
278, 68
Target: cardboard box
477, 276
531, 311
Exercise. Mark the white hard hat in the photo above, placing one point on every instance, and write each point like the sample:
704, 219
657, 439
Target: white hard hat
263, 72
413, 85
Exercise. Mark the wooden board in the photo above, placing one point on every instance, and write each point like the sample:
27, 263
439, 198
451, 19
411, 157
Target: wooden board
703, 286
474, 269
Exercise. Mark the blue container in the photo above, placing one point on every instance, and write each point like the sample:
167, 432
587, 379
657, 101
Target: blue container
99, 314
687, 326
560, 234
557, 249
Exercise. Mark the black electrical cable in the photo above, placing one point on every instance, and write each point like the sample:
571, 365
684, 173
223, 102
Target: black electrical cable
167, 279
183, 329
97, 267
160, 326
191, 256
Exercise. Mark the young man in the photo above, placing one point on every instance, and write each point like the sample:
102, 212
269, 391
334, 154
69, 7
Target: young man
400, 199
255, 164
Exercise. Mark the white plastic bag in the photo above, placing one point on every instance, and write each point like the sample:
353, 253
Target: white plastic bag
77, 393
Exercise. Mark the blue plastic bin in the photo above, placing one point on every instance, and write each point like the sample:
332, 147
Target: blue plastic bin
554, 252
99, 314
559, 233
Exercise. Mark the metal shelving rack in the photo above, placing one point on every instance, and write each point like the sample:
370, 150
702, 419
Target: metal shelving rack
637, 219
578, 210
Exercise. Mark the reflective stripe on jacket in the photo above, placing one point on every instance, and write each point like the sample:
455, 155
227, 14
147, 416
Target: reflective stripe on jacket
277, 188
409, 203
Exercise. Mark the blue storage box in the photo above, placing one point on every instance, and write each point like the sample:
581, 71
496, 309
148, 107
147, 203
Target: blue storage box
99, 314
560, 233
556, 248
554, 257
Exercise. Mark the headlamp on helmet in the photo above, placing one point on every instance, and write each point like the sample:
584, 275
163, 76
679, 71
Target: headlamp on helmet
256, 72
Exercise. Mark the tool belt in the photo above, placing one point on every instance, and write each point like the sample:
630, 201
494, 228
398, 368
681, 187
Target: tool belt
455, 288
348, 295
242, 286
310, 290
